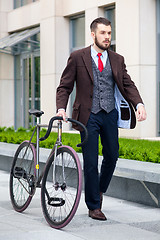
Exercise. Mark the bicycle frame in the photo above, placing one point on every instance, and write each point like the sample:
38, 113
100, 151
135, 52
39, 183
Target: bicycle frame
54, 149
62, 170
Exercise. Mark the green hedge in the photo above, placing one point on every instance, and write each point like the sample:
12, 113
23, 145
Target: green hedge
9, 135
142, 150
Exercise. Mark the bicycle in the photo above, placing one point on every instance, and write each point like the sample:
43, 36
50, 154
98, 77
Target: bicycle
60, 180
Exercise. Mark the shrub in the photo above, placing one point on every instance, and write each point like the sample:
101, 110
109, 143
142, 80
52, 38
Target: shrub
142, 150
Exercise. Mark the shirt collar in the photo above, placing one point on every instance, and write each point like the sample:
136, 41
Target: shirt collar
94, 53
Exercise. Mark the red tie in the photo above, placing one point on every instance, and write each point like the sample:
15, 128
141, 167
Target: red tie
100, 64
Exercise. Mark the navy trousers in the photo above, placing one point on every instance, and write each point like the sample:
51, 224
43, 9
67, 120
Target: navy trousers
102, 124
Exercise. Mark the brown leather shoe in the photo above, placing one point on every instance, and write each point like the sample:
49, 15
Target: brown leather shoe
97, 214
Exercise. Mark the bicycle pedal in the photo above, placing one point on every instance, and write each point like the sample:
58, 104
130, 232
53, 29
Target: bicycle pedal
19, 173
56, 202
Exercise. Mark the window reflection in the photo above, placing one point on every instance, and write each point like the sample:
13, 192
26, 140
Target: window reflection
20, 3
110, 15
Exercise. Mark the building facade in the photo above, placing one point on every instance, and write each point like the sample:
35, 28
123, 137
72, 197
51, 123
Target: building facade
37, 36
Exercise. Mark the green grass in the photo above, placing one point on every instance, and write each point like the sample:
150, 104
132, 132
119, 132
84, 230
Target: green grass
142, 150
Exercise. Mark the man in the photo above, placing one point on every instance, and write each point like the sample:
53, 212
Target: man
105, 98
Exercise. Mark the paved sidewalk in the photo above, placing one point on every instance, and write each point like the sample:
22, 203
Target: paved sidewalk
126, 221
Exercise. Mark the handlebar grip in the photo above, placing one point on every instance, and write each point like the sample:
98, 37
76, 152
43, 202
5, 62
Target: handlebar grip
70, 120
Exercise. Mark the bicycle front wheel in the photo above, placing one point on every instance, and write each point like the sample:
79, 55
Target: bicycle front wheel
61, 187
22, 176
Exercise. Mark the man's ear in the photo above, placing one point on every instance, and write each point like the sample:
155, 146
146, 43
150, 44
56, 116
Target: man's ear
93, 35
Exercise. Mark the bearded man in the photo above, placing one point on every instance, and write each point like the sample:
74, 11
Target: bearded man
106, 98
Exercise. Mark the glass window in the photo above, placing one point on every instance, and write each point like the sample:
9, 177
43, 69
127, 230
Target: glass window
17, 3
27, 81
110, 15
37, 82
77, 40
18, 87
20, 3
77, 30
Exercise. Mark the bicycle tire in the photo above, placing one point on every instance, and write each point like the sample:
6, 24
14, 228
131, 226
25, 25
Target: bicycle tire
22, 176
60, 201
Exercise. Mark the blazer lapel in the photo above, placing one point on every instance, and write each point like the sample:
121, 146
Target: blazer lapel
86, 55
113, 63
88, 60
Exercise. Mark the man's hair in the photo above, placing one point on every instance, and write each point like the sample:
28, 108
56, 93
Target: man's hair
97, 21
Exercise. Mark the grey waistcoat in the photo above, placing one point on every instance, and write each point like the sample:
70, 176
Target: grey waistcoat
103, 90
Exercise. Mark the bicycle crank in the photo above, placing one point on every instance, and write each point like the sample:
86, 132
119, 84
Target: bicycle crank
63, 186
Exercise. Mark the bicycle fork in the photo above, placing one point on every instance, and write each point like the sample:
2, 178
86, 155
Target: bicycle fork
57, 184
57, 201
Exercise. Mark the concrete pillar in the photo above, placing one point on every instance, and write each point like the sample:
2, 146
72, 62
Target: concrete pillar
6, 72
47, 51
136, 41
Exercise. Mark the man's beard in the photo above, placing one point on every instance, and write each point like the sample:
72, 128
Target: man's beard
102, 47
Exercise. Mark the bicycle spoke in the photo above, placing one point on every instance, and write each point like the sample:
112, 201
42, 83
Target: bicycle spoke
22, 186
63, 192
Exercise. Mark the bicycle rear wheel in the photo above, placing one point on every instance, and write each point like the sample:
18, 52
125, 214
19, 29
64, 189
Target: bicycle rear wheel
61, 187
22, 176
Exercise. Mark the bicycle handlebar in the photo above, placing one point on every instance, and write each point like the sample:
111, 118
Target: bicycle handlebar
70, 120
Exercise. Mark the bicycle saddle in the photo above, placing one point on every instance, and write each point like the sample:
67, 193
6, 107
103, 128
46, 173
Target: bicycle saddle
36, 112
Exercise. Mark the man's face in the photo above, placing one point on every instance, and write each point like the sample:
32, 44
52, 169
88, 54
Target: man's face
102, 36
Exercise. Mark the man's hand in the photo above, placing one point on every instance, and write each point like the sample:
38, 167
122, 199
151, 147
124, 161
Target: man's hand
141, 114
62, 113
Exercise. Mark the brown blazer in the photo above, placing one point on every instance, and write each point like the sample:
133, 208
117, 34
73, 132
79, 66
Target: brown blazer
79, 70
